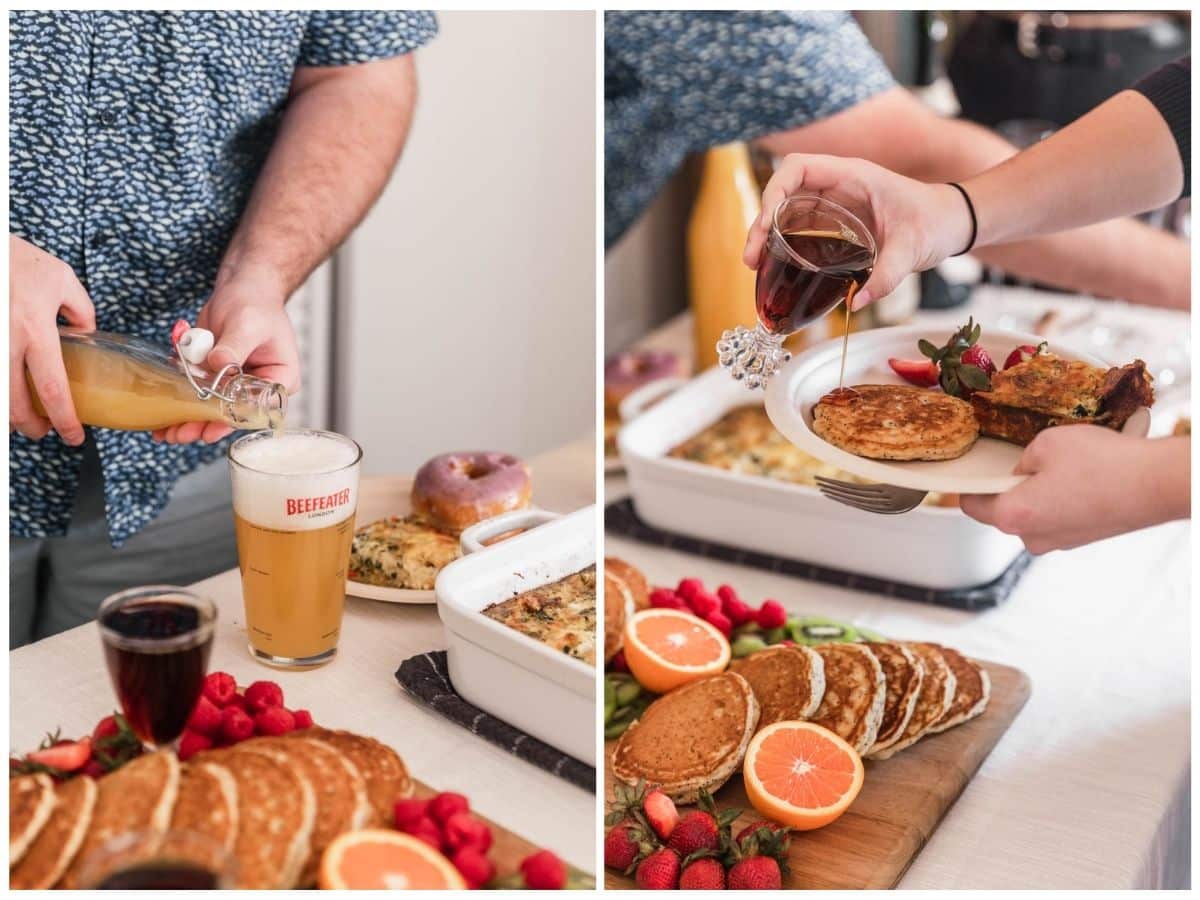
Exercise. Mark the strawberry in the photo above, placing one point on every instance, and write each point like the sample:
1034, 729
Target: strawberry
921, 372
303, 719
408, 811
64, 756
464, 830
618, 663
625, 845
665, 598
94, 769
697, 830
446, 804
106, 728
236, 725
192, 743
219, 687
274, 721
428, 831
544, 871
659, 871
771, 615
755, 873
689, 587
475, 868
753, 827
979, 358
720, 621
205, 718
263, 695
1024, 353
705, 874
660, 813
738, 612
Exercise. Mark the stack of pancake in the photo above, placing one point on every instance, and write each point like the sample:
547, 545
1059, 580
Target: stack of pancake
880, 697
274, 803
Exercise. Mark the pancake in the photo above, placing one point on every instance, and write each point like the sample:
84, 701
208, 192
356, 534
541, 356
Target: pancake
855, 691
694, 737
618, 600
972, 689
632, 578
139, 796
30, 803
55, 846
904, 673
206, 805
935, 697
900, 422
276, 810
339, 791
380, 766
788, 682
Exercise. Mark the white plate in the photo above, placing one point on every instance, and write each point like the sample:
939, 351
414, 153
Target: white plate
984, 469
381, 497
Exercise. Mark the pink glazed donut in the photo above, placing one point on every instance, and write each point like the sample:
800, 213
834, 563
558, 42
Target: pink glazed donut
456, 490
625, 372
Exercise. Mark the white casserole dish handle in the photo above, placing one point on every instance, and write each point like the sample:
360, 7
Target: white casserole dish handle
647, 395
477, 536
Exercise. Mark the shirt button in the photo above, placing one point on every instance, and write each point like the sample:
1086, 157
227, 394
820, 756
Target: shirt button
108, 117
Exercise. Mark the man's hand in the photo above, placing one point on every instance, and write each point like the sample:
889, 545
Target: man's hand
40, 287
1087, 483
251, 330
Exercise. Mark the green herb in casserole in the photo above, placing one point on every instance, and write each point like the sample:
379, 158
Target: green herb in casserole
561, 615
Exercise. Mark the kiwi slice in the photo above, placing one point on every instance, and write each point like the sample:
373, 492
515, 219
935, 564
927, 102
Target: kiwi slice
812, 630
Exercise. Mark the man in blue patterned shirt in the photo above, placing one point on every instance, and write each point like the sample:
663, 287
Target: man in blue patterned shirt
168, 165
809, 82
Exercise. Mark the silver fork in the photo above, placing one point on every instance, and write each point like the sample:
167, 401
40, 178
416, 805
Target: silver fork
885, 499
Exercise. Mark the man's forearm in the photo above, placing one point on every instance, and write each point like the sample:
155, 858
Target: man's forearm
340, 137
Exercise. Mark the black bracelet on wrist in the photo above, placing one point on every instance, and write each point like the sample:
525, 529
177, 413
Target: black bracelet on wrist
971, 210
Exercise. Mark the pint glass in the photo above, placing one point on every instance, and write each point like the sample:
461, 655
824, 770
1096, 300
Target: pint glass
294, 496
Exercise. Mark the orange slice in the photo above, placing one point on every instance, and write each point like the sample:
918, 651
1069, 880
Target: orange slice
666, 648
801, 774
377, 859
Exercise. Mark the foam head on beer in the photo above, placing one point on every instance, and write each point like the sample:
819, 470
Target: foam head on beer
296, 481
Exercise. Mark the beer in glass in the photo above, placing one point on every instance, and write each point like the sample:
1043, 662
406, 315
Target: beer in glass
294, 496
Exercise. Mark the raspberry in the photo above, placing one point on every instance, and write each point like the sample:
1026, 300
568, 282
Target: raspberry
205, 718
544, 871
665, 598
408, 811
704, 604
274, 722
192, 743
738, 612
219, 687
689, 587
303, 719
263, 695
236, 725
720, 621
618, 663
475, 868
446, 804
239, 700
771, 615
428, 831
464, 830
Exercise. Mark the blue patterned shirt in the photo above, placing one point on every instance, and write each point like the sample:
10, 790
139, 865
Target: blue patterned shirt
134, 141
680, 82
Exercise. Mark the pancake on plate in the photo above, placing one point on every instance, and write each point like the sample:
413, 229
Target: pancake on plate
972, 690
934, 699
855, 691
694, 737
55, 846
30, 803
788, 682
897, 422
205, 805
381, 767
904, 673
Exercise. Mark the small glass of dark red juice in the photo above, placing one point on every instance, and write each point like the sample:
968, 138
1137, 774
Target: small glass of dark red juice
152, 860
157, 641
817, 255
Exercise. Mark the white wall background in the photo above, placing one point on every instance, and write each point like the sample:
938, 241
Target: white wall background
466, 300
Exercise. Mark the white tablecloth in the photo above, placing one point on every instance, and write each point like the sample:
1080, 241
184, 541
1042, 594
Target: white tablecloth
62, 681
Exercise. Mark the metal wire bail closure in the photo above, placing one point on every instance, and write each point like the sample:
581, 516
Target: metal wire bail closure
192, 352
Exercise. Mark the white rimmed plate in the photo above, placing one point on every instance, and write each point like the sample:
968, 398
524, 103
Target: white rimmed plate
984, 469
379, 498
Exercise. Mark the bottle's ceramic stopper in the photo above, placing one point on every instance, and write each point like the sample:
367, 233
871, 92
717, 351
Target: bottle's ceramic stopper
194, 345
751, 356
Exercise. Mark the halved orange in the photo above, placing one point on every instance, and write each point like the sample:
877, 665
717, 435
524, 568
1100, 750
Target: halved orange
801, 774
666, 648
378, 859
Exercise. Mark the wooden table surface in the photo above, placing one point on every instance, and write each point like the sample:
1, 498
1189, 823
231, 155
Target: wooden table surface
62, 682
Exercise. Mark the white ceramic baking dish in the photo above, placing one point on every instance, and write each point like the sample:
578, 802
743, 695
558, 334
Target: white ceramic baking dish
934, 547
547, 694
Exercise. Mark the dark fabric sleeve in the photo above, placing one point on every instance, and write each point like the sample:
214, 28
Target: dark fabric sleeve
346, 37
1170, 90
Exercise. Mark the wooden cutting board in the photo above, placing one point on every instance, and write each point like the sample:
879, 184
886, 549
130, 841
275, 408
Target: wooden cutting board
902, 801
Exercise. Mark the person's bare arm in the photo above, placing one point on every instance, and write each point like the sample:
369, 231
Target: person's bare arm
1120, 258
340, 137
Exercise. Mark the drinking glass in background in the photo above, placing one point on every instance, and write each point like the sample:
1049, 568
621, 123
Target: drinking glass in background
157, 641
294, 499
151, 860
817, 255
